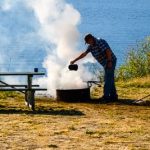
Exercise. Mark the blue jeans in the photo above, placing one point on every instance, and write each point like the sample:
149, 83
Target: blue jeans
109, 81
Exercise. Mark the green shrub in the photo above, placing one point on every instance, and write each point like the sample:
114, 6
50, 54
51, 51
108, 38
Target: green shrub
137, 62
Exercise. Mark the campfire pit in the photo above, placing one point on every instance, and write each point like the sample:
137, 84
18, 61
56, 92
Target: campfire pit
73, 95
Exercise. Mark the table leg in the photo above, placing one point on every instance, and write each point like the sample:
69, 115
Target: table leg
30, 81
31, 100
30, 93
26, 99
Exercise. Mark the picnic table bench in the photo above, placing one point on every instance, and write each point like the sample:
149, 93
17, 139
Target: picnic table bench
28, 89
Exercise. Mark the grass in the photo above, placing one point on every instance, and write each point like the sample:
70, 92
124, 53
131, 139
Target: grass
77, 126
143, 82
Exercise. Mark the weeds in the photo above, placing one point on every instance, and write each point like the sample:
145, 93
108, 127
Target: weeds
137, 63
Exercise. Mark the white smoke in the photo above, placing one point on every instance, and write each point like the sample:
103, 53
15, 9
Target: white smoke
57, 26
59, 22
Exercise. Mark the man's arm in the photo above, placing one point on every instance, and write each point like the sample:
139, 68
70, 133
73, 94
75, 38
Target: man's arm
109, 58
79, 57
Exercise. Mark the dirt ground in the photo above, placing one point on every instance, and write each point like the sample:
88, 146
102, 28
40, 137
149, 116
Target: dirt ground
74, 126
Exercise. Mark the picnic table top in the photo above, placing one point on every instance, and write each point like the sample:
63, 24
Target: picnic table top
21, 73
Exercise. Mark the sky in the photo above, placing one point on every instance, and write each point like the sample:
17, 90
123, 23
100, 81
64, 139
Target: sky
121, 24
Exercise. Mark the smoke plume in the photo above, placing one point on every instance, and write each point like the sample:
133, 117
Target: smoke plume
51, 26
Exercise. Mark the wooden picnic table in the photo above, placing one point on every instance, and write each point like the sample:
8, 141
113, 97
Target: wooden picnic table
29, 88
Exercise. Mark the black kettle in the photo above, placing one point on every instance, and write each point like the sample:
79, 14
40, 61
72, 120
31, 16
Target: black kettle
73, 67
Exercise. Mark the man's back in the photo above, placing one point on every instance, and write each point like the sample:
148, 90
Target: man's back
98, 51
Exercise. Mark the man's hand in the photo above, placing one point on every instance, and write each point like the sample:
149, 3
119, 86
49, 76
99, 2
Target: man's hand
109, 58
72, 62
109, 64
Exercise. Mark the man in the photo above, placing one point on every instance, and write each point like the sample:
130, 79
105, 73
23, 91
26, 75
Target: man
101, 51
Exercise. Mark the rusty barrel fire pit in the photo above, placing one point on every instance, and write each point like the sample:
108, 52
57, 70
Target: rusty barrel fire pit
73, 95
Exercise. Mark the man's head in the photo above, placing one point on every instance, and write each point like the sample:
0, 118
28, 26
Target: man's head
89, 39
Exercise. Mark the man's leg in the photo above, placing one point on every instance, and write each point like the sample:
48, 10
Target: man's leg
109, 85
113, 92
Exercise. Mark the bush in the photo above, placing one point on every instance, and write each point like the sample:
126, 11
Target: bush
137, 62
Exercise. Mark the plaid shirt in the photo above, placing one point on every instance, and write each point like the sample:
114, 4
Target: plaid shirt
98, 51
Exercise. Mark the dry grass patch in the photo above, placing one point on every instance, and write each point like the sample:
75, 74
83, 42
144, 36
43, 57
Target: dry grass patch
75, 125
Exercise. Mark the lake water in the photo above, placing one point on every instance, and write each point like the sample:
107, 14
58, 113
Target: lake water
121, 23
